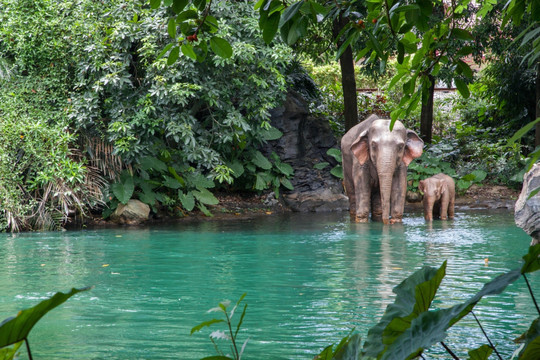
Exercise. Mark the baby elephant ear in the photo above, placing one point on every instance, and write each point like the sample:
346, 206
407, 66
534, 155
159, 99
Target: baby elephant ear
360, 148
442, 188
421, 185
413, 147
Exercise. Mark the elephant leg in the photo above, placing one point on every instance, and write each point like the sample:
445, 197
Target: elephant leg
362, 186
451, 208
348, 181
376, 206
399, 191
444, 206
437, 209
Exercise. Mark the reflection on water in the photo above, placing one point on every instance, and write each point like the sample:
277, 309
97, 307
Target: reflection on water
309, 280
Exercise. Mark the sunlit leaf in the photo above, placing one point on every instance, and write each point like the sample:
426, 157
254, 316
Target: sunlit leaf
187, 50
171, 28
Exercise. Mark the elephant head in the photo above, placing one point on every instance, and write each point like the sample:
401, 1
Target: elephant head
388, 151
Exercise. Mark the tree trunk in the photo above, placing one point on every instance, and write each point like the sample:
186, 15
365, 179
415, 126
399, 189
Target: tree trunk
537, 130
348, 81
426, 116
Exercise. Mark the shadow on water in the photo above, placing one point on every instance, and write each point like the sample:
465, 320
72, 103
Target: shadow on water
309, 279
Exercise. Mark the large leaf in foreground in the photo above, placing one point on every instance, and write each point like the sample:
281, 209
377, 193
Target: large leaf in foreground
430, 327
532, 261
407, 302
15, 329
531, 338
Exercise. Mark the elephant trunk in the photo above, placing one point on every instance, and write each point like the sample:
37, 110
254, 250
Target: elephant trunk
385, 172
428, 208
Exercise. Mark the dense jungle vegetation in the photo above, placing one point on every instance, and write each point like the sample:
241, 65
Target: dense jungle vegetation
167, 102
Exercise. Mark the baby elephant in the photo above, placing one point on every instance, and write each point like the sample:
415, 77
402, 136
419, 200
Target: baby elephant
439, 196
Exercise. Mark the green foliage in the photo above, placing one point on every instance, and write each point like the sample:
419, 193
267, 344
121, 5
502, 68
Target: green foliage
349, 348
15, 330
337, 170
230, 334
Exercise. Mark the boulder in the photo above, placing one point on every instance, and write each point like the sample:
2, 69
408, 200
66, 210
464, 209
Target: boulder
305, 141
527, 211
132, 213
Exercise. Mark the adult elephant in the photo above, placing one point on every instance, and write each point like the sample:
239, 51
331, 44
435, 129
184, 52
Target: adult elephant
375, 162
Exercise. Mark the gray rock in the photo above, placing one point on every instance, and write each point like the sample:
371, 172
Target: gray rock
527, 211
305, 141
132, 213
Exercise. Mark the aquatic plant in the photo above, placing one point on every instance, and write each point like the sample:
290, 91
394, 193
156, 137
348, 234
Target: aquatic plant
229, 334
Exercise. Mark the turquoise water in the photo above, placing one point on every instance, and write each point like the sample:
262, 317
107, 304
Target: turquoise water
309, 279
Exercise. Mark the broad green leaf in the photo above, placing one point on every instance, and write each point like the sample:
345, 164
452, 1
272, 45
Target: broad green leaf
462, 88
154, 4
204, 210
404, 305
17, 328
284, 168
123, 190
481, 353
531, 341
200, 181
271, 134
179, 5
461, 34
150, 162
171, 183
337, 171
321, 165
297, 29
260, 182
185, 15
286, 183
237, 168
270, 27
465, 69
464, 51
171, 28
261, 161
205, 324
187, 200
290, 12
173, 55
200, 4
187, 50
335, 153
532, 261
205, 197
424, 293
148, 197
221, 47
8, 353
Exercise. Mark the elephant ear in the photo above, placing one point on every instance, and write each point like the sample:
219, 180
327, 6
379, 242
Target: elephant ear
442, 186
360, 148
421, 186
413, 148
